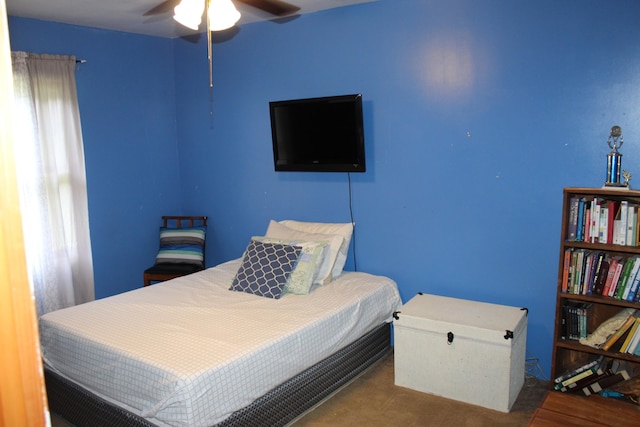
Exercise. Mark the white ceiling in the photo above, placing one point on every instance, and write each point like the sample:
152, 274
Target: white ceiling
127, 15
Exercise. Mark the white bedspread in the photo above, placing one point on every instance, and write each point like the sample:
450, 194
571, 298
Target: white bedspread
189, 352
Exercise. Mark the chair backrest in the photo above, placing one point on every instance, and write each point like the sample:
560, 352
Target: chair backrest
179, 221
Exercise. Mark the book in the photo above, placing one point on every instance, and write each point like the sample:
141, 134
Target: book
632, 289
571, 321
575, 268
616, 278
578, 368
598, 265
584, 387
636, 229
602, 230
613, 270
568, 324
578, 271
587, 220
624, 293
620, 227
606, 382
601, 276
566, 269
573, 219
632, 225
624, 277
595, 220
580, 221
563, 324
618, 334
635, 343
598, 372
569, 382
630, 237
633, 335
585, 313
573, 328
612, 209
635, 339
587, 276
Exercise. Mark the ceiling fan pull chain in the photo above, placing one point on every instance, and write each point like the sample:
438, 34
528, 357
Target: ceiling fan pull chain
210, 57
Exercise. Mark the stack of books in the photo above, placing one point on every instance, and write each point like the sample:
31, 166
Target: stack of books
631, 344
626, 338
575, 317
591, 377
588, 272
598, 220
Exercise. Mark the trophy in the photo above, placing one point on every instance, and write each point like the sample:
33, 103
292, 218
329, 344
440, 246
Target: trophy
614, 159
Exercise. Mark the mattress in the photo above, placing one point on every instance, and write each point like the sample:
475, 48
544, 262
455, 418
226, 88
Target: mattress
189, 352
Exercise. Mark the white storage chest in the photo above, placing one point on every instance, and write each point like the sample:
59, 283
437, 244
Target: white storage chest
469, 351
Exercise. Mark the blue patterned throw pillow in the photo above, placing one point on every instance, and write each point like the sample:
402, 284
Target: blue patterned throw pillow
307, 267
265, 269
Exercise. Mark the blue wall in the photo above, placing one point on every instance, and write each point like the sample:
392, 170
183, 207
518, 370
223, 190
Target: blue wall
127, 106
477, 115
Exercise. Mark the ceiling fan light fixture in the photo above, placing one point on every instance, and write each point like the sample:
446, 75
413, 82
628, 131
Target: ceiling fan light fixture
222, 15
189, 13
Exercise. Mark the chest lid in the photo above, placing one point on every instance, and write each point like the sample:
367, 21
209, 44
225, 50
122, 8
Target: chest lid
439, 314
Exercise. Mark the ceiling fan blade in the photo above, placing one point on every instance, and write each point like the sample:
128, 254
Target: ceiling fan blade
165, 6
274, 7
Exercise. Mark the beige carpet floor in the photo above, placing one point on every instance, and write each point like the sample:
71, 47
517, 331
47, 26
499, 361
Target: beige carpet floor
373, 400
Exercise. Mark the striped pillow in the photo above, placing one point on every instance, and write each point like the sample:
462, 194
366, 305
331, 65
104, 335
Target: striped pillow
181, 245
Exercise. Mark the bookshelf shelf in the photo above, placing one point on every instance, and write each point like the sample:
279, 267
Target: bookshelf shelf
600, 300
604, 247
577, 347
591, 216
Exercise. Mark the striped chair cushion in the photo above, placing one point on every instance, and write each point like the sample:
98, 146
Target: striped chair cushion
181, 245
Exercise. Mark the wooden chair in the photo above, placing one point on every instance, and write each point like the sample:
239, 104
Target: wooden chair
164, 270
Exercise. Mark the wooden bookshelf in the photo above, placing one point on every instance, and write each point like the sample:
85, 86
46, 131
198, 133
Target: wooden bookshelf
568, 351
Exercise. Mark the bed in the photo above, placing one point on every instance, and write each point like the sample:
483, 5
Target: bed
201, 351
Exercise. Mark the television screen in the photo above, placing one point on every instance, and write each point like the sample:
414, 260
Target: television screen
318, 134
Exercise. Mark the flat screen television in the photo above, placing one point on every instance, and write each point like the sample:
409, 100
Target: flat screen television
318, 134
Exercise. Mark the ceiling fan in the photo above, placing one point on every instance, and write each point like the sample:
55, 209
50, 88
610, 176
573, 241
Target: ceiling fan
219, 15
276, 8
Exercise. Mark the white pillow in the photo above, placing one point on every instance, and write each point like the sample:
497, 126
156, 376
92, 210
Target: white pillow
306, 269
280, 231
342, 229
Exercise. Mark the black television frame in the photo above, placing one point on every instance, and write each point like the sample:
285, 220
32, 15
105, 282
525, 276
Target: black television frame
305, 106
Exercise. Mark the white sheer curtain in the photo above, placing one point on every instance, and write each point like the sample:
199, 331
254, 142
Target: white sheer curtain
51, 171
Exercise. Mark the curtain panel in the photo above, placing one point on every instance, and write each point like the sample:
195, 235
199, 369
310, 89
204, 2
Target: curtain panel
52, 179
